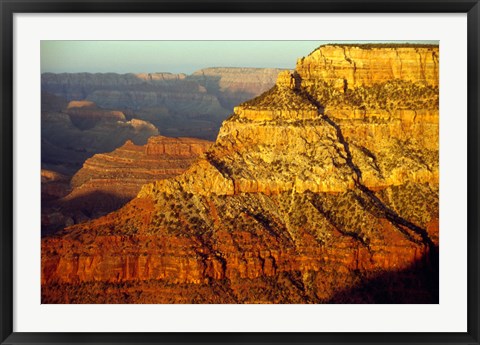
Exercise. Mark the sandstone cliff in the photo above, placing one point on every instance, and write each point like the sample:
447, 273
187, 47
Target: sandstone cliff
54, 185
353, 65
72, 135
178, 104
124, 170
235, 85
85, 113
109, 180
322, 186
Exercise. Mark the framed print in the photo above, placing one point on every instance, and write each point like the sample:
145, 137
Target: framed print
241, 172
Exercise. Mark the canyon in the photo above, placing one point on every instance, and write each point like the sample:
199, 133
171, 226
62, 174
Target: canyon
88, 113
87, 119
107, 181
323, 189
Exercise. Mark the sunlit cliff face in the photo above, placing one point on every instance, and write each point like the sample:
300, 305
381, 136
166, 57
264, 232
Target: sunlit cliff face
323, 189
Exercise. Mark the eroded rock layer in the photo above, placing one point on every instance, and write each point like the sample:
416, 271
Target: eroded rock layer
177, 104
109, 180
85, 113
314, 192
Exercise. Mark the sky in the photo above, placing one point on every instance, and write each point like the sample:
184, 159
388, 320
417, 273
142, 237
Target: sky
173, 56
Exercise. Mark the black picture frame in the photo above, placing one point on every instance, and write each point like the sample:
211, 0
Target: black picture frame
9, 7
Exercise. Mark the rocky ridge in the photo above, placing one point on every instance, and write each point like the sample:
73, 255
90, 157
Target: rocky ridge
74, 131
109, 180
178, 104
235, 85
319, 186
125, 170
85, 113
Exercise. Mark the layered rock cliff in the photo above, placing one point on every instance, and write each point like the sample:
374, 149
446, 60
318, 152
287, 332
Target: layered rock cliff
178, 104
108, 181
235, 85
78, 86
85, 113
54, 185
322, 189
352, 66
71, 136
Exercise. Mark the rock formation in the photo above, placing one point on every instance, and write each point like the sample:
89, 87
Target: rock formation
177, 104
353, 66
84, 113
71, 136
324, 189
235, 85
109, 180
54, 185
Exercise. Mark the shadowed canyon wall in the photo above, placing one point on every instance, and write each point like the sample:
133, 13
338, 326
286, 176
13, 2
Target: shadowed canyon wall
86, 113
109, 180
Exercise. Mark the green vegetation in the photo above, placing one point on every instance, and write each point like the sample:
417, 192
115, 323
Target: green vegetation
393, 95
278, 98
416, 202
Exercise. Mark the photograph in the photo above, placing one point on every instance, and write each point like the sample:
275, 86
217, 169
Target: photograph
239, 172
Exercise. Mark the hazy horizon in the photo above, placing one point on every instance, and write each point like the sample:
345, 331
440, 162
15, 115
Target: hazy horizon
175, 56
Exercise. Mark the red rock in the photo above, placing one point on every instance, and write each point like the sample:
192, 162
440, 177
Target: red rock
281, 209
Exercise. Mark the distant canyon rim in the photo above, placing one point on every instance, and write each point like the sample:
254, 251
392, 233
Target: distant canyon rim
94, 126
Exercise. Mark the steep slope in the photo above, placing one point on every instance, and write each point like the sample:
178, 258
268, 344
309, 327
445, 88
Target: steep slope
235, 85
84, 113
108, 181
317, 187
54, 185
177, 104
81, 129
78, 86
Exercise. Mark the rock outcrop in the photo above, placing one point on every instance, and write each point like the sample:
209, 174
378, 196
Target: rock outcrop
71, 136
78, 86
312, 192
351, 66
235, 85
85, 113
107, 181
125, 170
54, 184
177, 104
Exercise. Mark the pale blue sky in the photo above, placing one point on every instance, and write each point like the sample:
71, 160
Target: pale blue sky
172, 56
